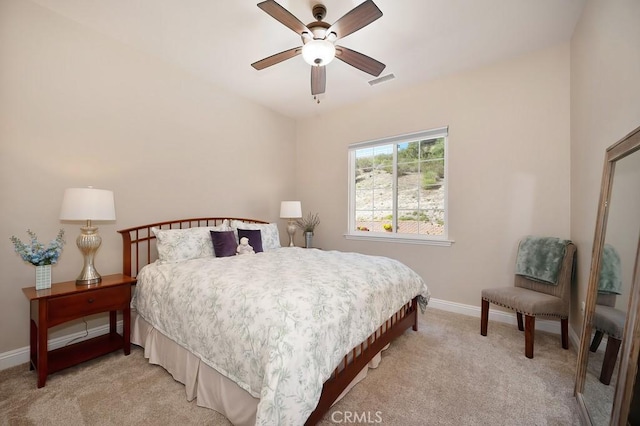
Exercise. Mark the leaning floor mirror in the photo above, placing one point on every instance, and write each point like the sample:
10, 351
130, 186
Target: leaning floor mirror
606, 388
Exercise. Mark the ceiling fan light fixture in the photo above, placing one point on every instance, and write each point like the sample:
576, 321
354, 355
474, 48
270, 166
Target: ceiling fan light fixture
318, 52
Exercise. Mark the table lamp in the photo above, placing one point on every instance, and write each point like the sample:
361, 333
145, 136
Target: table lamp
88, 204
291, 210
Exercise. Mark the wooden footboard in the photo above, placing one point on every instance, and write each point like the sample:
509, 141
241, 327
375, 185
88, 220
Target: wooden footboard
354, 362
138, 249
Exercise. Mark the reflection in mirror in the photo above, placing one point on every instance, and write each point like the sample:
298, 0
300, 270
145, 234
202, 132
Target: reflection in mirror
610, 341
614, 289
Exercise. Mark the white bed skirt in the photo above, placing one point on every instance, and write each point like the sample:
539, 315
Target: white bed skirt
210, 388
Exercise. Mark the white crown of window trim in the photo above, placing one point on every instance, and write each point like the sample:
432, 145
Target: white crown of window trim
439, 132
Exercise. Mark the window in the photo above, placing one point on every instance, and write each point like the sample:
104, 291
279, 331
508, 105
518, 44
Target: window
398, 188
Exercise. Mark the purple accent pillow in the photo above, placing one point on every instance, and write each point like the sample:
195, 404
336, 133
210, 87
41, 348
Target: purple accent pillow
224, 243
254, 236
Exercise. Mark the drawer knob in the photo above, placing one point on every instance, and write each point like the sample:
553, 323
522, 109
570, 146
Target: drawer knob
90, 300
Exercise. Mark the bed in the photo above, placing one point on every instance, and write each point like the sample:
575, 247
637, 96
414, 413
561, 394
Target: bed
275, 337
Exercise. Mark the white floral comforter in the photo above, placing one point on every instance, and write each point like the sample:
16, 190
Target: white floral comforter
277, 323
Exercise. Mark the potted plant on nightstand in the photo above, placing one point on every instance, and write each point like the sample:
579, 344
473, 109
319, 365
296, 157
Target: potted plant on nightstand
308, 225
40, 256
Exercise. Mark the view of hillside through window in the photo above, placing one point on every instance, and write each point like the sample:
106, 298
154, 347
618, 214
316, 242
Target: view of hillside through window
399, 188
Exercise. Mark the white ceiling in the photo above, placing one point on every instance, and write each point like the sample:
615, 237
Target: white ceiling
418, 40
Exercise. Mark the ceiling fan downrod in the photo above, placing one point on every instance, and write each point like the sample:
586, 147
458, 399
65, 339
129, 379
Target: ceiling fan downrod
319, 12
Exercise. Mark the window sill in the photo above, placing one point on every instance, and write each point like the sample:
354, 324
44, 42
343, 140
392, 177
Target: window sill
395, 238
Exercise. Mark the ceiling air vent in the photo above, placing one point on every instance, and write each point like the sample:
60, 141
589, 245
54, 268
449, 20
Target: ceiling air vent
381, 79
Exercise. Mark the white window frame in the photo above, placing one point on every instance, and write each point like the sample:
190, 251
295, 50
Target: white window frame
354, 234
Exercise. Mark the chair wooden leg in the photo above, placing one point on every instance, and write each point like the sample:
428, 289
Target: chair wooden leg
564, 325
519, 317
595, 343
484, 317
610, 357
529, 327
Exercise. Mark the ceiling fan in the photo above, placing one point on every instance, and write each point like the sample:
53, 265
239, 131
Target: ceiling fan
318, 40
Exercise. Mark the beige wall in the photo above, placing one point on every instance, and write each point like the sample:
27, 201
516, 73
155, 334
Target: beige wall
508, 167
605, 106
80, 109
623, 221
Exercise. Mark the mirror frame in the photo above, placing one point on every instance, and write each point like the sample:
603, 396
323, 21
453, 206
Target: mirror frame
628, 364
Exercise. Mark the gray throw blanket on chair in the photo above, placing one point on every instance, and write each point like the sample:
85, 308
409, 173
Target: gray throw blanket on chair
610, 271
540, 258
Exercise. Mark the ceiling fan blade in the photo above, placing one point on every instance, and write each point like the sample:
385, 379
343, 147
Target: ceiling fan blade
358, 17
277, 58
283, 16
318, 79
360, 61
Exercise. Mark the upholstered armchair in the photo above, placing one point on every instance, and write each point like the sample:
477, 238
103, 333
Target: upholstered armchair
536, 297
610, 321
606, 318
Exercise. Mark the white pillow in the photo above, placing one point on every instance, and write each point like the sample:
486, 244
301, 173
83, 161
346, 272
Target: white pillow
175, 245
268, 232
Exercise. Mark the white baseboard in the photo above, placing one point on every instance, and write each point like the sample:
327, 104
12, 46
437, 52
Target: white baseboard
20, 356
501, 316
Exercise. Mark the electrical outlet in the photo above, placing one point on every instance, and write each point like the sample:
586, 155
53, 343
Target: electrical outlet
581, 306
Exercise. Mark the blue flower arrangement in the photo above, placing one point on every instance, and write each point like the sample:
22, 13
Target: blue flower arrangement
36, 253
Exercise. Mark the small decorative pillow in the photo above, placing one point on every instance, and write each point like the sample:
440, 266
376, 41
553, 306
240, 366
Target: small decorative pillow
224, 243
175, 245
269, 233
254, 236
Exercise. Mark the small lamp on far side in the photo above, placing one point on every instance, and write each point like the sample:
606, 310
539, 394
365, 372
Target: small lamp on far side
88, 204
291, 210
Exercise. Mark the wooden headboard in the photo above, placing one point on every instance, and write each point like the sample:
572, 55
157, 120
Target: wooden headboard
138, 243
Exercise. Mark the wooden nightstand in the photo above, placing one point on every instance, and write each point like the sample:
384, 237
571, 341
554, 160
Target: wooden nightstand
65, 302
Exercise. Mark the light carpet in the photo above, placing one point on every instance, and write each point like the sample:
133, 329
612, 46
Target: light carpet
445, 374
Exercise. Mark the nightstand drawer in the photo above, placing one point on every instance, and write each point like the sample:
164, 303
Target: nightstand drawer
65, 308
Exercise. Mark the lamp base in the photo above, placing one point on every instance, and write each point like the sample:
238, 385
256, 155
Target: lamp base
91, 281
291, 230
88, 242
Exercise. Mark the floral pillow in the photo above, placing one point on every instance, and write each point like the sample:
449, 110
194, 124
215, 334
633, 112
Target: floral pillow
268, 232
175, 245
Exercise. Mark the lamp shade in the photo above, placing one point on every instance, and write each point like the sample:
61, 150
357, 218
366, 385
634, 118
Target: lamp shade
318, 52
87, 204
290, 209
